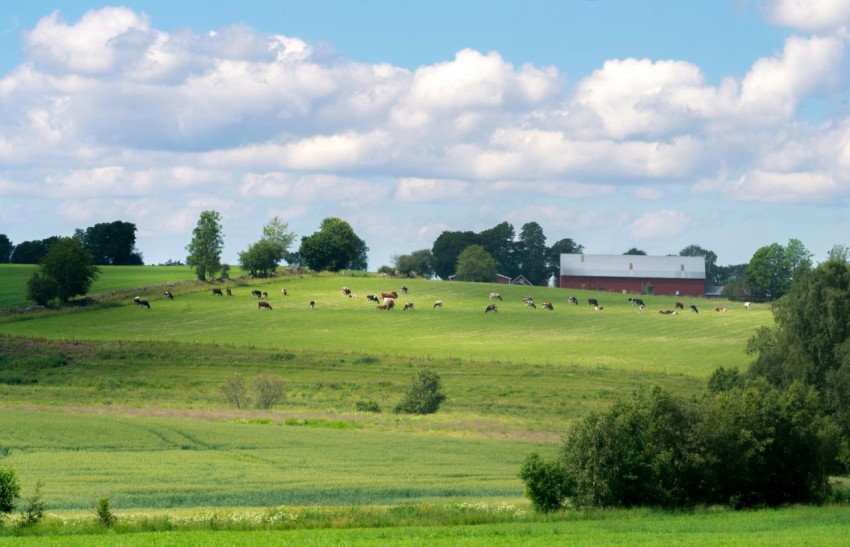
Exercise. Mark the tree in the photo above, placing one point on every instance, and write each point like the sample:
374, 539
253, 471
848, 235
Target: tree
234, 391
447, 249
838, 252
562, 246
773, 267
268, 390
547, 482
6, 249
424, 395
278, 232
711, 270
206, 245
532, 253
111, 243
10, 490
31, 252
475, 264
69, 266
499, 242
635, 251
416, 263
41, 289
261, 258
334, 247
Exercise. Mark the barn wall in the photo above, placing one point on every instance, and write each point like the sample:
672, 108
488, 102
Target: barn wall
686, 287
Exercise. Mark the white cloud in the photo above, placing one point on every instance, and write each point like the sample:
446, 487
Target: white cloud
801, 187
809, 15
417, 189
659, 224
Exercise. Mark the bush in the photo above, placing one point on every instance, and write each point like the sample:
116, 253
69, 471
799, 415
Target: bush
104, 512
268, 390
34, 513
234, 391
547, 483
367, 405
42, 289
423, 396
10, 490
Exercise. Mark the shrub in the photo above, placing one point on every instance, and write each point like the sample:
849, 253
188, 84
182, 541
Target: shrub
268, 390
234, 391
10, 490
423, 396
34, 513
547, 483
367, 405
104, 513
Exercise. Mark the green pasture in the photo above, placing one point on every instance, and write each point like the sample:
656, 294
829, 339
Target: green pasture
617, 338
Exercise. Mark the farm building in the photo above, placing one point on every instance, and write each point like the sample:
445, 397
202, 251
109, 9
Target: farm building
673, 275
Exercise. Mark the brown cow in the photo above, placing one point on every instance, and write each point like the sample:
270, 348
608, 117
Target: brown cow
216, 292
680, 306
229, 292
548, 306
262, 304
389, 294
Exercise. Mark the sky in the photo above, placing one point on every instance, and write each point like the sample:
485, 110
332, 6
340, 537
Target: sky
652, 124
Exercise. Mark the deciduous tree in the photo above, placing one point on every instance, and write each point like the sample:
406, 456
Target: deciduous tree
447, 249
475, 264
532, 253
111, 243
562, 246
6, 249
334, 247
206, 245
70, 268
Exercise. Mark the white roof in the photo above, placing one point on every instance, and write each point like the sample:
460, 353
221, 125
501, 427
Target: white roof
640, 266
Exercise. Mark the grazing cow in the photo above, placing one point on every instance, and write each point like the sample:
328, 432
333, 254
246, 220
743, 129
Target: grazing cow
530, 304
352, 295
636, 301
346, 291
389, 303
372, 297
719, 308
548, 306
404, 289
680, 306
495, 296
283, 292
668, 312
747, 305
262, 304
408, 306
640, 308
592, 302
491, 307
389, 294
438, 304
229, 292
694, 309
216, 292
168, 295
140, 302
598, 308
265, 295
573, 300
383, 307
312, 304
256, 293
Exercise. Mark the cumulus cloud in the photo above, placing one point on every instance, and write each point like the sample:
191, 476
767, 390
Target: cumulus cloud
808, 15
659, 224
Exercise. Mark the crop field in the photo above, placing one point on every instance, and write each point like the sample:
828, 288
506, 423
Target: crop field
112, 399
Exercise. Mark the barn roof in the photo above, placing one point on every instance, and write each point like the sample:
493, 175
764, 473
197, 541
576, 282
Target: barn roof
639, 266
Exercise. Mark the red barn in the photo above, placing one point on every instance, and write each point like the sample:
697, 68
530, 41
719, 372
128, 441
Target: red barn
673, 275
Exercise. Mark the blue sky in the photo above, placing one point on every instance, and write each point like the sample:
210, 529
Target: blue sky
651, 124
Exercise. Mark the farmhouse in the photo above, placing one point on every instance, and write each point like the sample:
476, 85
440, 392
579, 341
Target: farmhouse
673, 275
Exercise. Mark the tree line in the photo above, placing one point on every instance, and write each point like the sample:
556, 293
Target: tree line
770, 436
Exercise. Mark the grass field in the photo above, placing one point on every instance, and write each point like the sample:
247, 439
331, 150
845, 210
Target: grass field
113, 399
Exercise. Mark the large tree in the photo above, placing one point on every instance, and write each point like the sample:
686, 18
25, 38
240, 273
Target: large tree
6, 249
262, 258
111, 243
711, 270
532, 253
206, 245
416, 263
475, 264
31, 252
334, 247
562, 246
773, 268
447, 248
499, 242
70, 268
635, 251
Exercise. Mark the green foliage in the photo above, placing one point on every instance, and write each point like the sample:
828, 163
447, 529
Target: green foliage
499, 242
42, 289
547, 482
475, 264
6, 248
269, 390
206, 245
424, 395
34, 511
447, 249
774, 267
104, 512
70, 267
111, 243
724, 380
334, 247
261, 258
562, 246
367, 405
417, 263
31, 252
10, 490
712, 274
234, 391
635, 251
531, 253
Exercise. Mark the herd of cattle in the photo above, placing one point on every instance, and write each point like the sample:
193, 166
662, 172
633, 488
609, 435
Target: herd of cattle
386, 300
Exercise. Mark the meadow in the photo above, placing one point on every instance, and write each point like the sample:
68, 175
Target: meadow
113, 399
